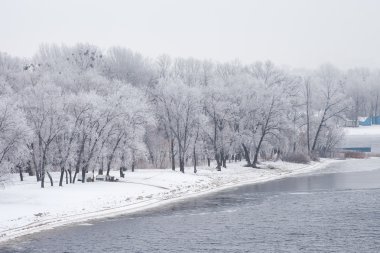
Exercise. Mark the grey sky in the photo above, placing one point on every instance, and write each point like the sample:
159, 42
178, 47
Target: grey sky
298, 33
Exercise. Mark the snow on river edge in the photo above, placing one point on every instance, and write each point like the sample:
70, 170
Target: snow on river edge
26, 208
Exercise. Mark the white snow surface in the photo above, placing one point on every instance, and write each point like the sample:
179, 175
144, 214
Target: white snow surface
363, 130
26, 208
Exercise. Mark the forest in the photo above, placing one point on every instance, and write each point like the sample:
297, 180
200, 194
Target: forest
79, 109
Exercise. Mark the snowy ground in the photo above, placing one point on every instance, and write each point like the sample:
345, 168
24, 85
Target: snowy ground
363, 136
26, 208
363, 130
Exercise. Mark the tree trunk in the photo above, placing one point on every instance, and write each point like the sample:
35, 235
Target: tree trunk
109, 166
308, 115
79, 159
208, 161
172, 153
42, 180
36, 168
61, 176
195, 160
217, 158
181, 164
100, 171
38, 176
29, 169
133, 166
255, 159
71, 181
223, 157
20, 171
218, 162
43, 168
121, 172
246, 155
75, 175
317, 134
83, 174
110, 158
51, 179
67, 178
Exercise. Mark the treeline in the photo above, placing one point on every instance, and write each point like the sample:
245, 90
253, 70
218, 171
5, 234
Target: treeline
79, 109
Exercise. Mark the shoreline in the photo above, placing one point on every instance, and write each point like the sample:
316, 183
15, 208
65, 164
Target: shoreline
152, 202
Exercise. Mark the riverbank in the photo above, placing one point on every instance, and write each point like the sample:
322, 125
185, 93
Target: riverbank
26, 208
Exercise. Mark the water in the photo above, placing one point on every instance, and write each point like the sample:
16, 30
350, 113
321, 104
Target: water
332, 210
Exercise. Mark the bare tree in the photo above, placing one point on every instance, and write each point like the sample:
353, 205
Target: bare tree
332, 99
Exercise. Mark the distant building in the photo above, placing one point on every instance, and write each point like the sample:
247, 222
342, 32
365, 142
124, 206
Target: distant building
351, 123
369, 121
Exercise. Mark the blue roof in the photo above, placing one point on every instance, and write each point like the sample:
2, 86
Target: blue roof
358, 149
375, 120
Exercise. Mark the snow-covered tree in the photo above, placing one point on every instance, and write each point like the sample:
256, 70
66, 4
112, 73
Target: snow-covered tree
178, 106
42, 105
332, 101
80, 109
14, 132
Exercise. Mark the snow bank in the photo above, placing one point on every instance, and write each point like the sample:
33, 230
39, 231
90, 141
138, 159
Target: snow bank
363, 130
26, 208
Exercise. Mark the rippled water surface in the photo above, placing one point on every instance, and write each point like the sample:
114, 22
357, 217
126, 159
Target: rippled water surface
332, 210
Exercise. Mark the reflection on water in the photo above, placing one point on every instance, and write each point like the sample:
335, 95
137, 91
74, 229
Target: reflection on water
321, 212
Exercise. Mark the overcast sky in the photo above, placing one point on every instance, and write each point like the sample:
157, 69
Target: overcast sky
298, 33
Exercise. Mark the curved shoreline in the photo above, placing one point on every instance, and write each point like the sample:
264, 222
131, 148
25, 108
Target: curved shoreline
54, 222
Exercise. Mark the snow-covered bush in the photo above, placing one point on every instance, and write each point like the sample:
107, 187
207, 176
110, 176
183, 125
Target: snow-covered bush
296, 158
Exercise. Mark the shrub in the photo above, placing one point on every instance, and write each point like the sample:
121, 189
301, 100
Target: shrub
296, 158
314, 157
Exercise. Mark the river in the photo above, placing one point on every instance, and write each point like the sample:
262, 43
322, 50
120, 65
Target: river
336, 209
